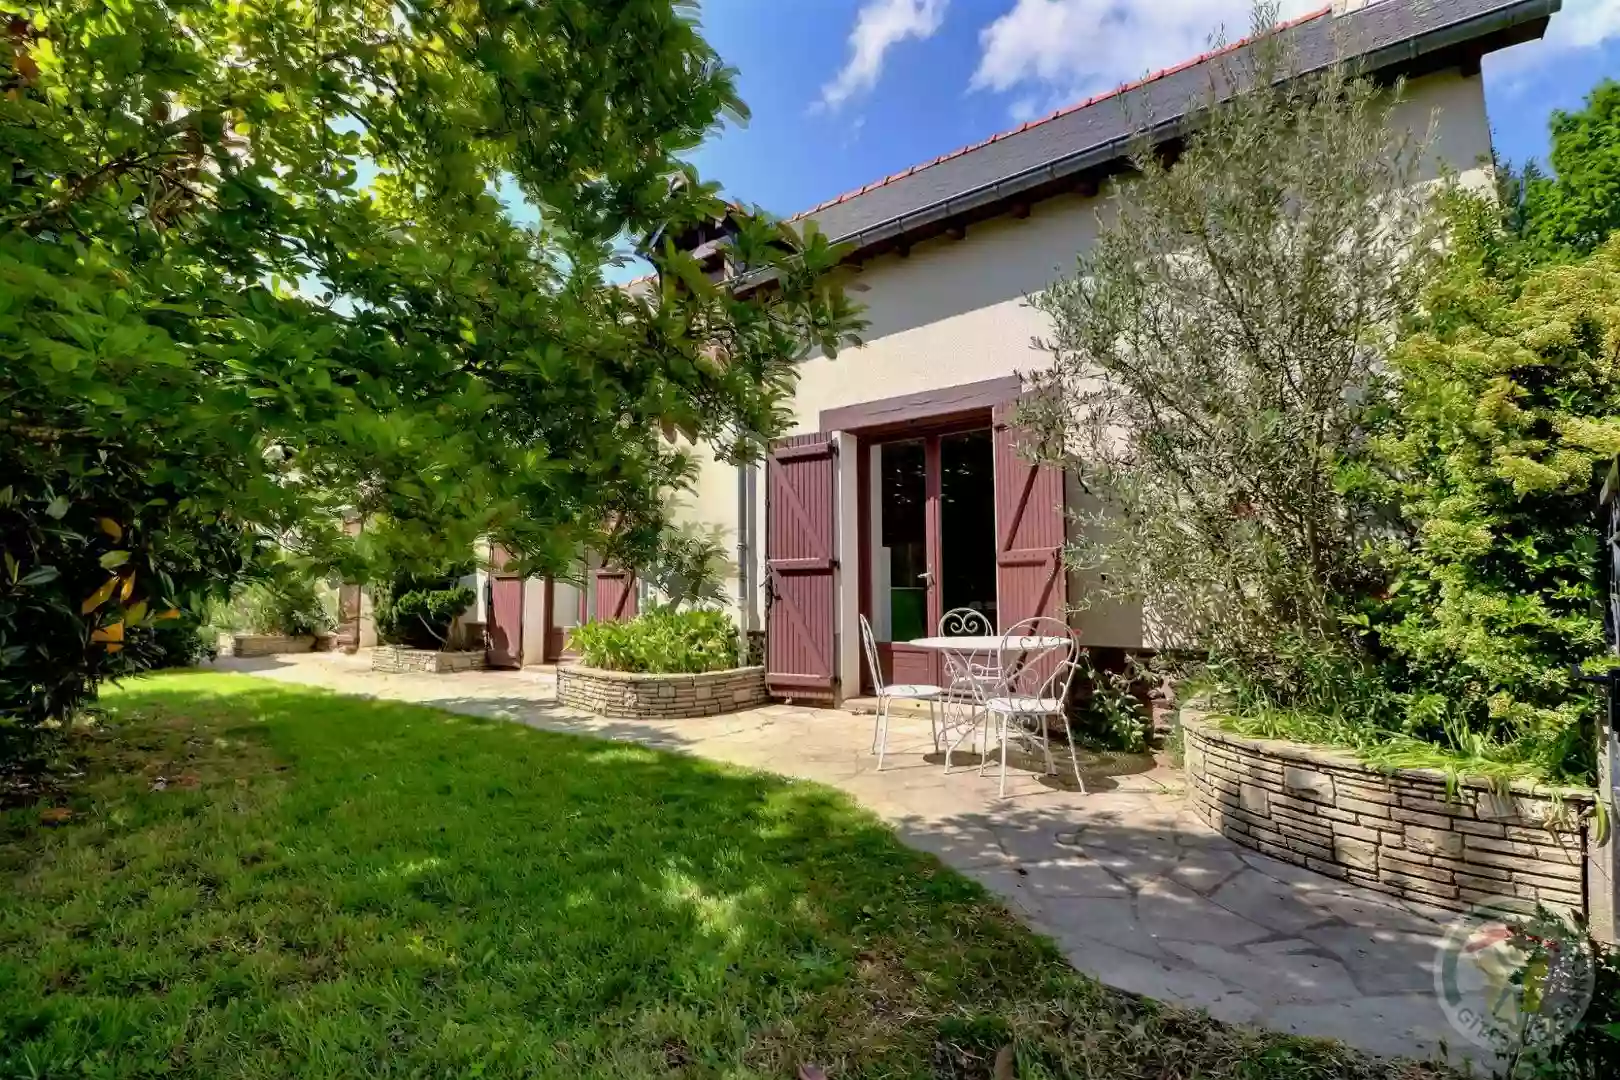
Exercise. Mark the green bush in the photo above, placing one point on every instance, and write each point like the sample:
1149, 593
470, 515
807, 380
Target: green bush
293, 606
662, 641
417, 606
422, 617
182, 642
1591, 1049
1502, 429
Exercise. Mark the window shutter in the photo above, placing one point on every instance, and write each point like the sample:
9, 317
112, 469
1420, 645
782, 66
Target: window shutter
801, 630
1029, 529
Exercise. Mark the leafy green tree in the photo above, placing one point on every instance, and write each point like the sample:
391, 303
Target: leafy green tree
1505, 419
259, 268
1577, 208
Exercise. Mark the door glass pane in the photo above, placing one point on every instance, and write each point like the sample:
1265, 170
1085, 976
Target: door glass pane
967, 522
899, 498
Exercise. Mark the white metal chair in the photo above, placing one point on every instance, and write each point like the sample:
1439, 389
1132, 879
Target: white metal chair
970, 677
1033, 688
888, 694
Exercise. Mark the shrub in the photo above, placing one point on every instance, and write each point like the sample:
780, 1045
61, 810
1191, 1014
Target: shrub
421, 618
662, 641
1111, 715
293, 606
1502, 430
183, 642
97, 556
1591, 1050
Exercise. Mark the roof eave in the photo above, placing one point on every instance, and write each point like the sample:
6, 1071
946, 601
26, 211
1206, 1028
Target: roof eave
1532, 15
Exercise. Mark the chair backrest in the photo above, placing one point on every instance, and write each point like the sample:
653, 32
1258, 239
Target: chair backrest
1038, 658
869, 643
965, 622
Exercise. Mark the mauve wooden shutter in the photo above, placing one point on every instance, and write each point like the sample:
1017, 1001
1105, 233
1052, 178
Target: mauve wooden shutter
801, 629
615, 594
1029, 529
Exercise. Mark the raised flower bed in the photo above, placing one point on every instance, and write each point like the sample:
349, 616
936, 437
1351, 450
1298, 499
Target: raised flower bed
402, 660
629, 695
1398, 832
264, 644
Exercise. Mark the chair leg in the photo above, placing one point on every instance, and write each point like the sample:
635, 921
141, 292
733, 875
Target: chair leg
883, 731
1046, 747
1002, 791
933, 724
1074, 760
984, 754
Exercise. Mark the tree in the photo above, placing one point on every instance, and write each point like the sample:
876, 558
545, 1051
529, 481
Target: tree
1499, 435
1576, 209
260, 268
1214, 356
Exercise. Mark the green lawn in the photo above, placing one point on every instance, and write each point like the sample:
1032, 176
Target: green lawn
324, 886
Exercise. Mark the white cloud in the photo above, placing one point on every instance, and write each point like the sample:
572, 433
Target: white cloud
1582, 24
1054, 52
879, 26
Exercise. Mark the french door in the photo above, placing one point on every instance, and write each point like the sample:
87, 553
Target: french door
931, 542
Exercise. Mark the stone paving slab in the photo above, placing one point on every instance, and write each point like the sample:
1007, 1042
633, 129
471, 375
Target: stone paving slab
1136, 890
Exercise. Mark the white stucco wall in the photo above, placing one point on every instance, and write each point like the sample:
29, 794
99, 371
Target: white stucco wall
953, 312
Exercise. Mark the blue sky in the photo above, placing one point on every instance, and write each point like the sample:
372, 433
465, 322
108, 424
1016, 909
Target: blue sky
844, 92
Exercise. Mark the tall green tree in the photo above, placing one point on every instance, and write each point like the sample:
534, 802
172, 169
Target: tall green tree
1574, 210
260, 267
1501, 428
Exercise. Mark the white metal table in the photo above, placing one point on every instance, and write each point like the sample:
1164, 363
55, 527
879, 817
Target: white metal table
960, 719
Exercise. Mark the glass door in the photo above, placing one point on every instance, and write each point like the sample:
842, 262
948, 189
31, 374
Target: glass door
902, 591
967, 523
931, 543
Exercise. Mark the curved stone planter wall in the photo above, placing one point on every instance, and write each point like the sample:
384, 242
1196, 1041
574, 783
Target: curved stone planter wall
624, 695
1398, 832
399, 660
263, 644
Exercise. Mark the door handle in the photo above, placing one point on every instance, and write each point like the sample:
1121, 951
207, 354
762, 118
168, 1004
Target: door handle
926, 577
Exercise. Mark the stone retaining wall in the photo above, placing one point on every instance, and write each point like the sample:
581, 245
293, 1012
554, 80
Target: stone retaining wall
263, 644
1395, 832
399, 660
625, 695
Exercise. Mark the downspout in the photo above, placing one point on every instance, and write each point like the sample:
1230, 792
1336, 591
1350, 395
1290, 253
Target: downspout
746, 487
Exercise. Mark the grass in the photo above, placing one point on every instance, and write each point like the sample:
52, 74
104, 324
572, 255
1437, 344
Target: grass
255, 880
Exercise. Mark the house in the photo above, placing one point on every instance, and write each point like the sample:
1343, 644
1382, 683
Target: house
899, 492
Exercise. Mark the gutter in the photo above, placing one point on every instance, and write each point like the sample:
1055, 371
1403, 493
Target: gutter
1388, 56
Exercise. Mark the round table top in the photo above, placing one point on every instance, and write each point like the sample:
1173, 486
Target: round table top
977, 643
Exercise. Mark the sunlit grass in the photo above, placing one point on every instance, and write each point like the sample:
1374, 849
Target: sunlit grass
266, 881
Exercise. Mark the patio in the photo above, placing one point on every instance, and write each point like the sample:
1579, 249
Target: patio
1136, 891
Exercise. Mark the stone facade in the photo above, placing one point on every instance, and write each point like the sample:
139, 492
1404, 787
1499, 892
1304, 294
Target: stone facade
1396, 832
624, 695
263, 644
399, 660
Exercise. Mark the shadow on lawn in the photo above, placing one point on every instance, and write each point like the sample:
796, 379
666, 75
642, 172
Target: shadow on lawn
411, 891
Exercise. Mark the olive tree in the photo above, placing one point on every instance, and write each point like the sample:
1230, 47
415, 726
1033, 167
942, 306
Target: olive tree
1215, 353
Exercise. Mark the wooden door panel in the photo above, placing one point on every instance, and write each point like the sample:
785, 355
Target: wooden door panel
1029, 529
801, 630
505, 629
615, 594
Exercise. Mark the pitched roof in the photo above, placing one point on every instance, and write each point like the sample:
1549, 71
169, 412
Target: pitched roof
1385, 34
